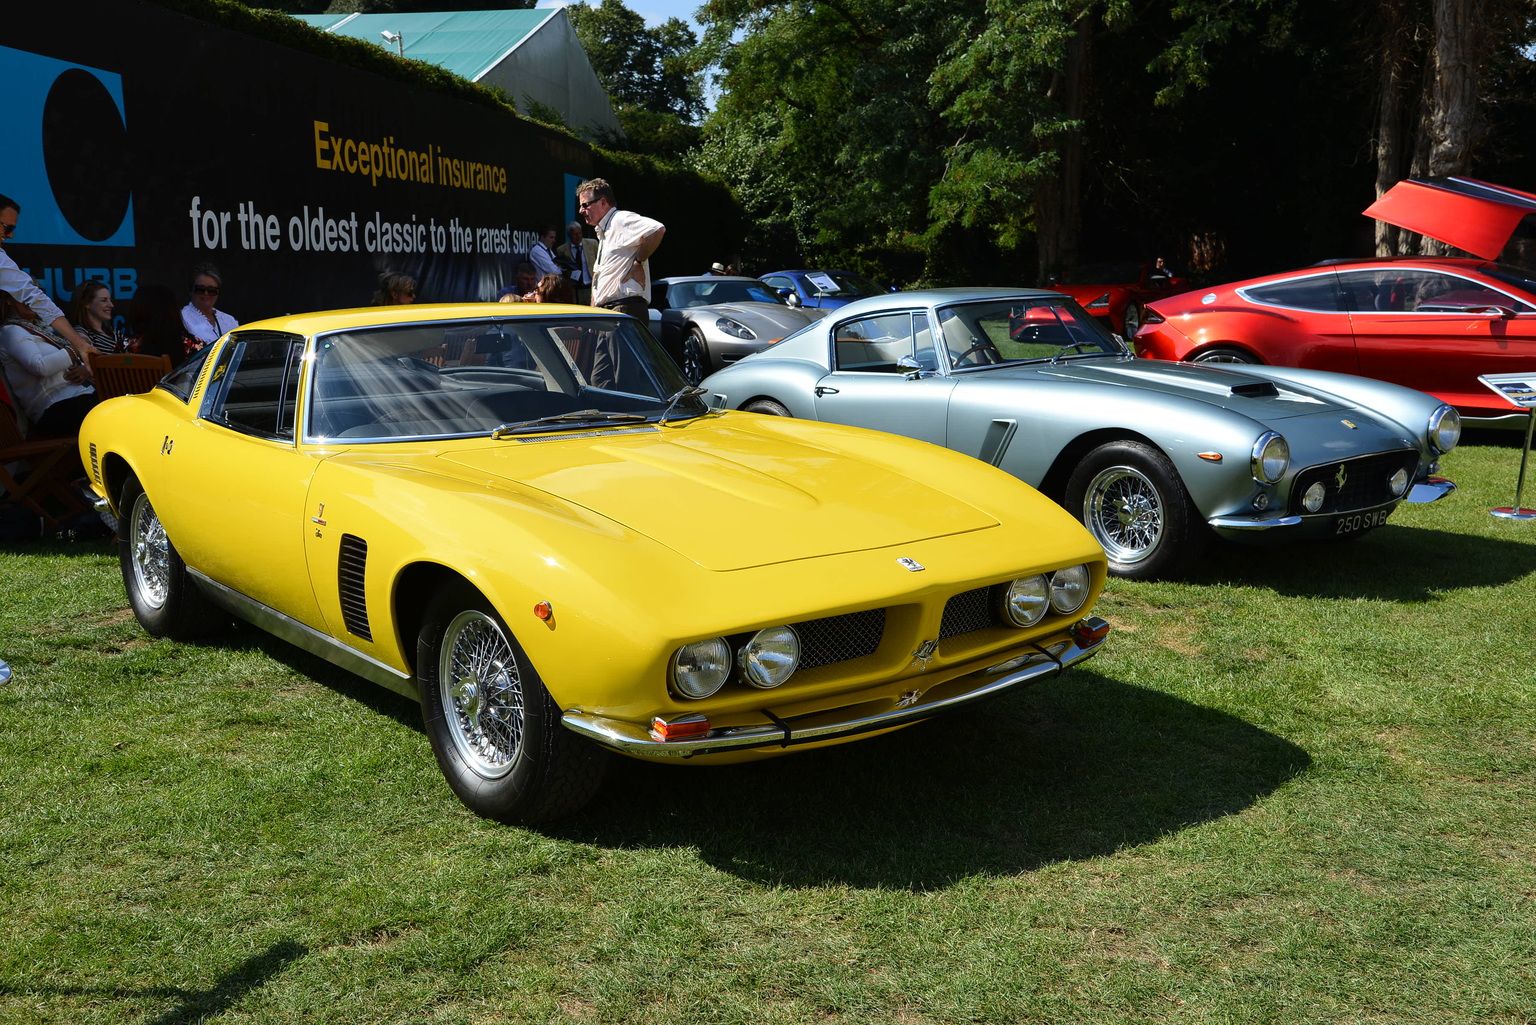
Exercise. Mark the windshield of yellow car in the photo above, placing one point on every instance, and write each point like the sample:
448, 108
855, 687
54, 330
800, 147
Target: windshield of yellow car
461, 378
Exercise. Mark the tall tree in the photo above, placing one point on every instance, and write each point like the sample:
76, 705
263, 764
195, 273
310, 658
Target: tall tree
657, 93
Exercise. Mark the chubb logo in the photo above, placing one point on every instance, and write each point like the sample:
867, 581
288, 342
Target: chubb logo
67, 156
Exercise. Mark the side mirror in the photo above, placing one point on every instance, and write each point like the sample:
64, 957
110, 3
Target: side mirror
910, 367
789, 295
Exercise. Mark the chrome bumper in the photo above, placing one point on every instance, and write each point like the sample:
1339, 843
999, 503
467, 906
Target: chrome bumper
1430, 489
637, 739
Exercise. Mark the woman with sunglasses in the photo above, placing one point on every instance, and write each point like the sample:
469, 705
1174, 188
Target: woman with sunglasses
202, 321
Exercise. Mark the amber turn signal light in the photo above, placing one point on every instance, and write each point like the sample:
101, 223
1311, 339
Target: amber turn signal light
1088, 632
686, 728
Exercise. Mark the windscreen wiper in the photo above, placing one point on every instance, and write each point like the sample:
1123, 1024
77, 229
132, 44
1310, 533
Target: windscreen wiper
686, 393
560, 421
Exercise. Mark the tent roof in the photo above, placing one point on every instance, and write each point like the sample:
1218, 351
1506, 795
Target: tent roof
468, 43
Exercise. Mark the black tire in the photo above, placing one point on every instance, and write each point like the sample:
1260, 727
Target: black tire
1132, 501
494, 728
1226, 354
165, 600
768, 406
695, 357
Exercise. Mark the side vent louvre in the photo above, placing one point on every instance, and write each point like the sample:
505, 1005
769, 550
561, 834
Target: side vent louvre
352, 563
95, 464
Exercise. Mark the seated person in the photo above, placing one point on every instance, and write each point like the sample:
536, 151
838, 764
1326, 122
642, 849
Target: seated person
49, 380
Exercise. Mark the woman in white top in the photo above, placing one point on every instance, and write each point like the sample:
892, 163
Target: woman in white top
48, 378
201, 320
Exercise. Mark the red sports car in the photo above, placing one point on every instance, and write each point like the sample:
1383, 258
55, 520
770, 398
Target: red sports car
1118, 291
1434, 324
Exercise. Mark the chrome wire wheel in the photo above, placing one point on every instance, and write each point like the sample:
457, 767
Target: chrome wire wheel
150, 553
482, 694
1124, 511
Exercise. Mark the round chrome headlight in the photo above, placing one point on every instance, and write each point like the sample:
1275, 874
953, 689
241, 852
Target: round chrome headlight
1069, 589
701, 668
1399, 482
1025, 600
1312, 501
734, 328
1444, 429
1271, 458
770, 657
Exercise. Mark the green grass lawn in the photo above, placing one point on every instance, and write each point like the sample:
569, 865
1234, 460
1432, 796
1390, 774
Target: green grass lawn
1298, 788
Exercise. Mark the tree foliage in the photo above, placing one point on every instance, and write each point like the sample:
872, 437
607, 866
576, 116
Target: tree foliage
646, 68
997, 140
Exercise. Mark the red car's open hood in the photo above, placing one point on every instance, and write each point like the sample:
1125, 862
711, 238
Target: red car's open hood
1462, 212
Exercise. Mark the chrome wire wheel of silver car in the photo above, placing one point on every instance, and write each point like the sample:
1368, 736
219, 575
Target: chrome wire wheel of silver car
1129, 496
482, 694
1124, 511
493, 725
164, 598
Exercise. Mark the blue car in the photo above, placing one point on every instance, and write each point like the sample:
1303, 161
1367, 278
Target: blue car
821, 289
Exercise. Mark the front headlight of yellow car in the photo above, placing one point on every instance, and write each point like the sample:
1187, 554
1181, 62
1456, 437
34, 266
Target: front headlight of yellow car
1069, 589
701, 668
1023, 602
770, 657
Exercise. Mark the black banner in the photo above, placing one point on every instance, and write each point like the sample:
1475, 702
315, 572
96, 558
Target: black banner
141, 143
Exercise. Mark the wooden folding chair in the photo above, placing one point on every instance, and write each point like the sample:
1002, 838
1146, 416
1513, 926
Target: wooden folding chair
45, 489
127, 373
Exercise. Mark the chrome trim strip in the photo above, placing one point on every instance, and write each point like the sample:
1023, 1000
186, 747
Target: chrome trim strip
1252, 522
300, 636
636, 739
1431, 489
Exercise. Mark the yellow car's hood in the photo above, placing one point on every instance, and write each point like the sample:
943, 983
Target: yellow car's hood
729, 498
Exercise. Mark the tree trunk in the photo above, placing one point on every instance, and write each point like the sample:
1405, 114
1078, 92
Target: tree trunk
1455, 125
1060, 197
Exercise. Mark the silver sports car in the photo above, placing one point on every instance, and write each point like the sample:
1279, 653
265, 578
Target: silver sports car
711, 321
1152, 456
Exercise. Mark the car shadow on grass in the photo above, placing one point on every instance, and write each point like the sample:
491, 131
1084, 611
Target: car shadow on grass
1075, 768
1392, 563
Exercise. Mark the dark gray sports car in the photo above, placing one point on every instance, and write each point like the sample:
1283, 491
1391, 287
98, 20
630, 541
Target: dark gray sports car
1152, 456
710, 321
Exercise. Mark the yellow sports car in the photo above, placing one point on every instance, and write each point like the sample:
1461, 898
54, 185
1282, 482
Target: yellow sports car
523, 517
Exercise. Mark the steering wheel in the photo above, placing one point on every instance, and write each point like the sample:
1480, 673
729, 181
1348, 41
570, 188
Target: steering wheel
978, 347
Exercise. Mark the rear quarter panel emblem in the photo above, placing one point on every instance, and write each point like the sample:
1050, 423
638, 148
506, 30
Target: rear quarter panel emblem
911, 564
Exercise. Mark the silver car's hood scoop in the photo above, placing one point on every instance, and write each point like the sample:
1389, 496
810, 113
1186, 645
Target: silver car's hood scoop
1233, 386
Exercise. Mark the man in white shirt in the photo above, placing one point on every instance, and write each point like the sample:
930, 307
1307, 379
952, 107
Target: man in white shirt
21, 285
621, 276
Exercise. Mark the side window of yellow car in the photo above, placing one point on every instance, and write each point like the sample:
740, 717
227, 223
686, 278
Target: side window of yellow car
254, 386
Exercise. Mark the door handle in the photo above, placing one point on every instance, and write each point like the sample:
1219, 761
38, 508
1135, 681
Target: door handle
820, 391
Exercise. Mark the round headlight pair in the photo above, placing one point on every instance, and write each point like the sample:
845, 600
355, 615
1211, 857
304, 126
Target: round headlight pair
1271, 458
1025, 601
766, 661
1444, 429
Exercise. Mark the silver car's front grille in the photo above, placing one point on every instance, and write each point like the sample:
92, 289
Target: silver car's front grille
1352, 484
